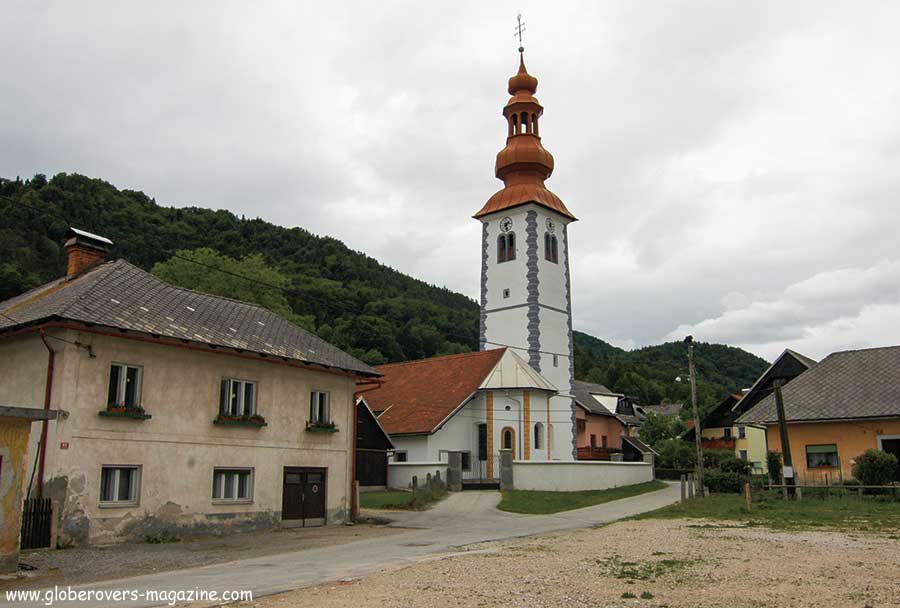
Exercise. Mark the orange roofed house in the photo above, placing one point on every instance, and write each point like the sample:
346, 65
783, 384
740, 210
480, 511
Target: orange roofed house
836, 410
476, 403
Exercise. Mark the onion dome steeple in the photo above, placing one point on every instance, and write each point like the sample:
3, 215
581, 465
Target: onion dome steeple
523, 164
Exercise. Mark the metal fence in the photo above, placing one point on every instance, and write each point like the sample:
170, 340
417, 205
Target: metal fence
479, 470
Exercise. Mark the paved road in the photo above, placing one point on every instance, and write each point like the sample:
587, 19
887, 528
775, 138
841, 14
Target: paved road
461, 519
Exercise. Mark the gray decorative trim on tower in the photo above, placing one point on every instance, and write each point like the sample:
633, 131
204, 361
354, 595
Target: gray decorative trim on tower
533, 299
565, 235
482, 323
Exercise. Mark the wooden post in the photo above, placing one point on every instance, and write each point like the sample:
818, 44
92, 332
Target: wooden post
690, 485
747, 494
788, 463
798, 493
683, 487
698, 441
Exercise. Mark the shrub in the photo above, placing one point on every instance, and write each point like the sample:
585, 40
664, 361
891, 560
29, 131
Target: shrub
712, 459
875, 468
735, 465
773, 462
676, 454
725, 482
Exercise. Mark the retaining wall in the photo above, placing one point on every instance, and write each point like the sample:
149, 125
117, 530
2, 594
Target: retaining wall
400, 474
559, 476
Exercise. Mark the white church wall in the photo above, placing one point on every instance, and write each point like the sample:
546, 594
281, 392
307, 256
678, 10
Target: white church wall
416, 447
458, 433
578, 476
508, 328
509, 275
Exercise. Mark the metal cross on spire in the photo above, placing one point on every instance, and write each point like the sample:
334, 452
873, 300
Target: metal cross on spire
519, 29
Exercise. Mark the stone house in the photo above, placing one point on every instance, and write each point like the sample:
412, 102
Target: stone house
186, 412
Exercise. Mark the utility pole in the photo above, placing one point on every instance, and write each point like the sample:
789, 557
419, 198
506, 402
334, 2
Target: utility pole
697, 440
788, 468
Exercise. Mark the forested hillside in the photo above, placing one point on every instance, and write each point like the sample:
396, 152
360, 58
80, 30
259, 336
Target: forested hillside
345, 296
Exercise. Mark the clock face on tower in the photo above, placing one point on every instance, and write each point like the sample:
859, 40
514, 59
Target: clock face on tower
550, 225
506, 224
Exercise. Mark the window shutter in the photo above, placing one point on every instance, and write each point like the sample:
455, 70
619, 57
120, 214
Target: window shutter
223, 397
312, 406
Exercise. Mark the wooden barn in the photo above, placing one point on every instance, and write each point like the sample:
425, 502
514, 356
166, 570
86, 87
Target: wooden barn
372, 447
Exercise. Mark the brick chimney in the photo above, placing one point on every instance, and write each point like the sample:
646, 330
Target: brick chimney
85, 250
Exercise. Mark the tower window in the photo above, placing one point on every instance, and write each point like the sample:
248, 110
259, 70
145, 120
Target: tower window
555, 360
506, 292
551, 248
506, 247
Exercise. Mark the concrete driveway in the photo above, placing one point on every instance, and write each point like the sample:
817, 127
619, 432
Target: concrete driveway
460, 519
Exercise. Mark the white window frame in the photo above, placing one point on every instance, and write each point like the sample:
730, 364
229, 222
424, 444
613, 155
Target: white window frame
123, 382
405, 454
225, 408
225, 473
314, 412
135, 497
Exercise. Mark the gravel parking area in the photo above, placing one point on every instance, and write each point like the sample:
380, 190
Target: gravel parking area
90, 564
653, 563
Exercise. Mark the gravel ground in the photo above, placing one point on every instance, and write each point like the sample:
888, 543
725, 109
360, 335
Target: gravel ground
90, 564
673, 563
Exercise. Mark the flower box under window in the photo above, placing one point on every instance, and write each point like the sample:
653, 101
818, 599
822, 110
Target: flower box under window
253, 421
321, 427
121, 411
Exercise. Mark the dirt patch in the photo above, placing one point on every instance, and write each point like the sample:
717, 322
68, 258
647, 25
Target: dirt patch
652, 563
90, 564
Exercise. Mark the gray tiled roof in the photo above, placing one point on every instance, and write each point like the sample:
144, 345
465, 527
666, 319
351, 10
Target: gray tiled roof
583, 397
848, 384
120, 295
664, 409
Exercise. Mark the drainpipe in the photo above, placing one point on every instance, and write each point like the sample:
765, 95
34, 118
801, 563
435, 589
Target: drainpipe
48, 393
354, 485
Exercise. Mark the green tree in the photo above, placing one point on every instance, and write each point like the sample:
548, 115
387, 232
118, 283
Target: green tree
658, 428
182, 270
875, 468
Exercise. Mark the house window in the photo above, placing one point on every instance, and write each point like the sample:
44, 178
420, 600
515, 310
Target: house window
555, 360
822, 456
400, 456
237, 398
538, 436
233, 484
727, 433
319, 408
507, 439
119, 485
551, 248
742, 432
603, 441
466, 461
506, 247
743, 454
593, 440
124, 385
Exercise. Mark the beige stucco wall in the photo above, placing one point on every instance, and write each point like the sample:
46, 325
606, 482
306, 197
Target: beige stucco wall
13, 453
179, 446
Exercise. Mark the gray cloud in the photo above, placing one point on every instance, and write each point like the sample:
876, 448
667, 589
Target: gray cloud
733, 164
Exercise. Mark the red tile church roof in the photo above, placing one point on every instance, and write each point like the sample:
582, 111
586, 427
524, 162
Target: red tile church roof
417, 396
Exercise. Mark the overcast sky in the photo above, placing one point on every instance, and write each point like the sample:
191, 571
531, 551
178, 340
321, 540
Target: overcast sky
735, 166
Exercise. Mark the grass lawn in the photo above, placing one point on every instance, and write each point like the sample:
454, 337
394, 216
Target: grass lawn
385, 499
770, 510
524, 501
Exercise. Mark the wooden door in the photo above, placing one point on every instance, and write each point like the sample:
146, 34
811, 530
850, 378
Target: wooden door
314, 496
292, 494
303, 495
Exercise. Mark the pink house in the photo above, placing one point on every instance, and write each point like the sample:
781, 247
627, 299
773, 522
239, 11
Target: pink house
606, 423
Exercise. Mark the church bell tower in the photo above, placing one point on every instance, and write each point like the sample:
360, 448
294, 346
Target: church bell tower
526, 299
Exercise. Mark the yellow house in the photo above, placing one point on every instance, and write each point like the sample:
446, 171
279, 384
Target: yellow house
722, 429
186, 411
845, 405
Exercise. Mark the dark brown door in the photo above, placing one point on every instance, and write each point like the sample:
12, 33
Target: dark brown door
314, 494
303, 495
292, 495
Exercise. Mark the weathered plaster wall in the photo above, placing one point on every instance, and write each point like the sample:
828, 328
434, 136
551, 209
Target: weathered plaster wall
852, 439
400, 474
13, 454
179, 446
